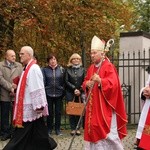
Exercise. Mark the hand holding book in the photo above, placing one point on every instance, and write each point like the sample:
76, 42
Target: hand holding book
14, 85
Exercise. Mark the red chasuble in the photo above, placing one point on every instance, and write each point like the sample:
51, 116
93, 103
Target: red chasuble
103, 101
145, 138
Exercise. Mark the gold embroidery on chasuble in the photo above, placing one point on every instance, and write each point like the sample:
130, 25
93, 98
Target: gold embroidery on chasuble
146, 129
90, 113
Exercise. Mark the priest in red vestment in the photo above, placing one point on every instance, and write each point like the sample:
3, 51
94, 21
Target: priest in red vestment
143, 130
105, 118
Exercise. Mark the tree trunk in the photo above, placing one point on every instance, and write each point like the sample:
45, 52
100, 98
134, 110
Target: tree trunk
2, 32
10, 34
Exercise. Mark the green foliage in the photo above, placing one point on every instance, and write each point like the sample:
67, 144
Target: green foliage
142, 10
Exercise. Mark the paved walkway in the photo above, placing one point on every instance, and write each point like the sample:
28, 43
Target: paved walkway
64, 141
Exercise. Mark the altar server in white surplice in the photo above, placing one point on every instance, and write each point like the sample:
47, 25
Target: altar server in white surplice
30, 107
143, 134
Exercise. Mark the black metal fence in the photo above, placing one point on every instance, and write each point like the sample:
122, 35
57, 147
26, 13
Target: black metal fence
133, 69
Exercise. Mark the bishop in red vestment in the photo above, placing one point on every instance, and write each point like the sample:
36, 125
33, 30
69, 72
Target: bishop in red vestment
105, 112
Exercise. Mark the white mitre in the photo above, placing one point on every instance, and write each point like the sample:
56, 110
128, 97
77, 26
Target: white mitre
97, 44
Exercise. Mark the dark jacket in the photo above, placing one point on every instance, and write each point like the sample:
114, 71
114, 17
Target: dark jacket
54, 81
73, 79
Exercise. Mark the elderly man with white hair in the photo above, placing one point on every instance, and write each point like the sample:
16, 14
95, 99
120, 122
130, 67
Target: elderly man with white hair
105, 118
30, 107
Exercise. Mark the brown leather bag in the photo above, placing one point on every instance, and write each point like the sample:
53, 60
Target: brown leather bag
74, 108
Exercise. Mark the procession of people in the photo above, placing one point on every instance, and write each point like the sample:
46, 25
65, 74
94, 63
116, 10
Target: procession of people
37, 97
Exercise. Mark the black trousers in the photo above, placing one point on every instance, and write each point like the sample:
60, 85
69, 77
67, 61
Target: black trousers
5, 118
137, 143
55, 109
33, 136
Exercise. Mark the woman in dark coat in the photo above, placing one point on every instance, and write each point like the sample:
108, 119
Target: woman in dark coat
73, 78
54, 85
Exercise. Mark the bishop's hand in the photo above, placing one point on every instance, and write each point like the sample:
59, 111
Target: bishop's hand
96, 78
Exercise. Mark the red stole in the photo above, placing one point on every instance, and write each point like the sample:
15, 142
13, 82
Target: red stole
19, 112
145, 138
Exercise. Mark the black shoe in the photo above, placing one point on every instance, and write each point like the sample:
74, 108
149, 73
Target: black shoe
72, 132
50, 132
5, 137
58, 132
1, 135
78, 133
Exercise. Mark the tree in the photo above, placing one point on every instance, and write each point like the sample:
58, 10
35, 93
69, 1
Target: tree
142, 9
61, 26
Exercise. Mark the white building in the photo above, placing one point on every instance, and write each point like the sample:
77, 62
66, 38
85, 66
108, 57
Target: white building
133, 74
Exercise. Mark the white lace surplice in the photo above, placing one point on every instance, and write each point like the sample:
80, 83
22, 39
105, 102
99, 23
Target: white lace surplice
35, 96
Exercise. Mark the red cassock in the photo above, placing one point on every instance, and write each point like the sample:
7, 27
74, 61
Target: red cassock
145, 138
102, 102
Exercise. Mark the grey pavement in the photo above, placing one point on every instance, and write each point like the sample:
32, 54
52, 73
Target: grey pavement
78, 142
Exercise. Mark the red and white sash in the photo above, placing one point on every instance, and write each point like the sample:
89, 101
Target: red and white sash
18, 120
143, 131
145, 138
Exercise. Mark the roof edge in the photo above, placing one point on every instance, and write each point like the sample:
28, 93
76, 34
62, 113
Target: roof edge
138, 33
